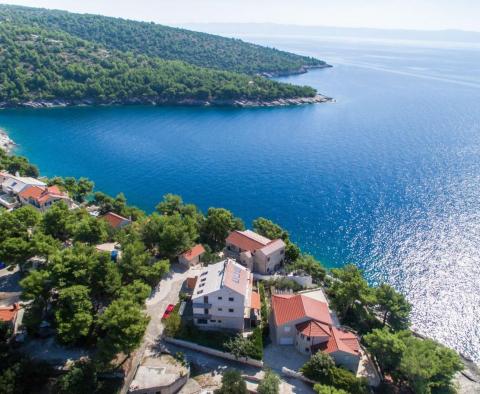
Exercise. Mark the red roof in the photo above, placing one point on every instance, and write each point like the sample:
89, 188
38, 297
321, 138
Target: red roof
288, 308
9, 314
243, 242
41, 194
340, 340
115, 220
255, 301
313, 328
196, 251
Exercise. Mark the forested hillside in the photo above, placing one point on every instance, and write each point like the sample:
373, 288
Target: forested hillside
40, 64
168, 43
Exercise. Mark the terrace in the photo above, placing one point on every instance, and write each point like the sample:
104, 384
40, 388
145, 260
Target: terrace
8, 201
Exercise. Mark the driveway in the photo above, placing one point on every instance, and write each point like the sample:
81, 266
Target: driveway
166, 292
10, 289
276, 357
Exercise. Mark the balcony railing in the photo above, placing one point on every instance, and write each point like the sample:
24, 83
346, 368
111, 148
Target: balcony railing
201, 305
202, 316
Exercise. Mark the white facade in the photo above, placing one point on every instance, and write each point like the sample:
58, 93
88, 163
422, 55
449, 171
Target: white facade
222, 296
15, 184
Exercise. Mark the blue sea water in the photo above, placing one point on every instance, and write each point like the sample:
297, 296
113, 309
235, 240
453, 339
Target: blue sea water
387, 177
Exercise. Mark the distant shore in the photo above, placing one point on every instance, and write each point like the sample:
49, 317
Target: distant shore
301, 70
240, 103
6, 143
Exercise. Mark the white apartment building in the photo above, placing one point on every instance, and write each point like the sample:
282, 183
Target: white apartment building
223, 297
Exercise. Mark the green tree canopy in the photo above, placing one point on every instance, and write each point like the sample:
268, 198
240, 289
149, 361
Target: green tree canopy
123, 324
170, 234
270, 384
74, 314
90, 230
348, 288
137, 291
426, 366
386, 347
319, 367
394, 307
232, 383
59, 221
136, 263
218, 224
269, 229
80, 379
311, 266
324, 389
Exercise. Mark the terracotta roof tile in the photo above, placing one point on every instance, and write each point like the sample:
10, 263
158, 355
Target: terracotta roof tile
313, 328
340, 340
114, 219
243, 241
9, 314
196, 251
255, 302
294, 307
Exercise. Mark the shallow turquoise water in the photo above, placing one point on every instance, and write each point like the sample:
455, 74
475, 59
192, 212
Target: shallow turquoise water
387, 177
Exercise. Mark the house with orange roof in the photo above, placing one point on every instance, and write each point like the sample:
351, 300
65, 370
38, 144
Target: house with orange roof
115, 220
306, 323
256, 252
42, 197
223, 298
9, 315
192, 256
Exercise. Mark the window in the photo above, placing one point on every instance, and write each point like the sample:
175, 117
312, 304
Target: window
201, 321
205, 311
201, 284
203, 279
213, 321
220, 298
205, 299
308, 339
268, 258
282, 251
220, 309
230, 310
306, 349
199, 291
230, 299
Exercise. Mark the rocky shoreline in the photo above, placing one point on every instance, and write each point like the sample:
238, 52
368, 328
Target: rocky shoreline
187, 102
6, 143
301, 70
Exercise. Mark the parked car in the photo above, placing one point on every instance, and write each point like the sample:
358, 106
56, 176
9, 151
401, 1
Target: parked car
168, 311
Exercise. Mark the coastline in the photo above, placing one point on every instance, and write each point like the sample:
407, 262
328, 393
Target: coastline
302, 70
6, 143
239, 103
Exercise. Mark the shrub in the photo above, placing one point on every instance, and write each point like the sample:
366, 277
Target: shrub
322, 369
324, 389
173, 325
232, 383
270, 384
251, 347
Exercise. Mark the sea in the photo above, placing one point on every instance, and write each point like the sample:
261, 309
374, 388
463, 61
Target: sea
386, 177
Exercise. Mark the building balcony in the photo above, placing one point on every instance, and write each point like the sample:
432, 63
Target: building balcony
202, 316
201, 305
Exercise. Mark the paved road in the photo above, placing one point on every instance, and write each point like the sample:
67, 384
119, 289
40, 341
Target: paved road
167, 292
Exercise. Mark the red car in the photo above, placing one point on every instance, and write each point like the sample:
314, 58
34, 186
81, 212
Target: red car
168, 311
